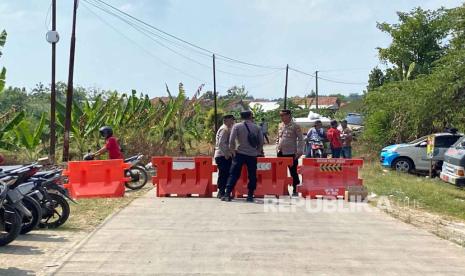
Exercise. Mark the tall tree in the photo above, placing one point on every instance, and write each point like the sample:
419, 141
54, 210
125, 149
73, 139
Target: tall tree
237, 93
416, 42
375, 79
3, 35
456, 23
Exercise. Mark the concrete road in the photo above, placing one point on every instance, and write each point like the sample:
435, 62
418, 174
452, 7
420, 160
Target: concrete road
206, 236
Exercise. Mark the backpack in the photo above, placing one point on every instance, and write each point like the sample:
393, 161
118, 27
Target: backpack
252, 138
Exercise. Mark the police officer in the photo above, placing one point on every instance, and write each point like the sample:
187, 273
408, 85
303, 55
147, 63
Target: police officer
290, 143
250, 145
223, 154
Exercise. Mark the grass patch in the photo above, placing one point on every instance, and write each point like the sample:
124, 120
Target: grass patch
89, 213
432, 195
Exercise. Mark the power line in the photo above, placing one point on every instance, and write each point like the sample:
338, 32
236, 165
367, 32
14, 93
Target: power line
178, 44
302, 72
345, 70
135, 23
148, 34
271, 78
327, 79
143, 48
341, 81
48, 19
187, 42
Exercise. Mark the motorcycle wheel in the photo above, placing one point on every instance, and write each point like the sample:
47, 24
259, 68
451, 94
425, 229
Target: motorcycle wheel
30, 223
10, 224
319, 153
57, 212
138, 176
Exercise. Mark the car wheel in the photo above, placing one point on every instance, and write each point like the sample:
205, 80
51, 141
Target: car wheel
403, 165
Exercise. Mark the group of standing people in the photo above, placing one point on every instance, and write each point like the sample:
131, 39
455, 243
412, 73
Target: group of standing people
339, 138
239, 144
236, 145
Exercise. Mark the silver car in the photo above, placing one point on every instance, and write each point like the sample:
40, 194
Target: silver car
412, 156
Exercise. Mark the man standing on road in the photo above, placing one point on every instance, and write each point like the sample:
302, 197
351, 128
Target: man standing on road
264, 128
250, 140
346, 136
290, 143
334, 137
223, 154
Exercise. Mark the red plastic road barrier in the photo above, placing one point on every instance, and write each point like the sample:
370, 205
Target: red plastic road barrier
183, 177
272, 177
328, 178
97, 178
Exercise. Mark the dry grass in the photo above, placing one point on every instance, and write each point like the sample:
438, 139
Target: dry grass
89, 213
432, 195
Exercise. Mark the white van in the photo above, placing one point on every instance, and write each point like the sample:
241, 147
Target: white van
453, 168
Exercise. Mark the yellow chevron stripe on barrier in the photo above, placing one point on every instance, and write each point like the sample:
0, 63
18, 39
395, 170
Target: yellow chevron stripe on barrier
330, 167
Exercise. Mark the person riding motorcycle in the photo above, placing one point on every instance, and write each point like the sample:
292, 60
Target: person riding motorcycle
111, 144
315, 134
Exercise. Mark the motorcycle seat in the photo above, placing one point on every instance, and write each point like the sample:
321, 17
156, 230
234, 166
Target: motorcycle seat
130, 159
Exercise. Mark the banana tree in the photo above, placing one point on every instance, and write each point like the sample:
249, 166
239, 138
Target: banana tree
128, 114
28, 138
3, 35
85, 122
6, 139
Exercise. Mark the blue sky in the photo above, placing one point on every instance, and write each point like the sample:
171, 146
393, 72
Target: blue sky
334, 36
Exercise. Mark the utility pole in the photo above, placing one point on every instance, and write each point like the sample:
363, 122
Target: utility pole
316, 89
285, 87
69, 93
53, 89
215, 95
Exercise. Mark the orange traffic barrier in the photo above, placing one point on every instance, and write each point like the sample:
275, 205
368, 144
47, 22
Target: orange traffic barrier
183, 177
328, 178
97, 178
272, 178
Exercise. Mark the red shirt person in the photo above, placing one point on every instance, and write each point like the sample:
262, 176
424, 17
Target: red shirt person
111, 144
113, 149
334, 137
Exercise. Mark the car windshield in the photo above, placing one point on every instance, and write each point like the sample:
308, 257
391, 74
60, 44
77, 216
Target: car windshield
354, 119
418, 140
460, 144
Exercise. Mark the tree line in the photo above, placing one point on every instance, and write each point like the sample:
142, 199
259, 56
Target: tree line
422, 89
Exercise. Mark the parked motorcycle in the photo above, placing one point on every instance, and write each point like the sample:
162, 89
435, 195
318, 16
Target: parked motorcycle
52, 198
137, 172
10, 217
316, 148
23, 189
19, 213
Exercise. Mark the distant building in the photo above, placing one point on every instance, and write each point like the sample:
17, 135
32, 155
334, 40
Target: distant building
324, 102
157, 100
266, 105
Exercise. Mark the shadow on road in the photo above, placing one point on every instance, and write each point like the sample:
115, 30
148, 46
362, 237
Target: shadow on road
20, 250
41, 237
13, 271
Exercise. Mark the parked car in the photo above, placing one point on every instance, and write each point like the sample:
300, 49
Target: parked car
412, 156
453, 169
355, 123
354, 119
